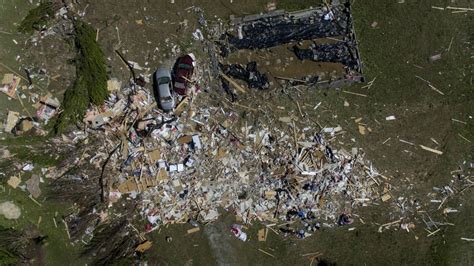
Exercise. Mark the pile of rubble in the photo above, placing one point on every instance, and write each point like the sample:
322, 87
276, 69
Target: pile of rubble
199, 159
46, 107
328, 31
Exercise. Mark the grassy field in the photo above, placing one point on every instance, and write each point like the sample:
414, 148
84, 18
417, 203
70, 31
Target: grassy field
10, 14
394, 52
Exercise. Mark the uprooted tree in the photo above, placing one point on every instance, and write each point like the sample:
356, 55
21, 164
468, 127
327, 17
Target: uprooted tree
19, 247
90, 86
38, 17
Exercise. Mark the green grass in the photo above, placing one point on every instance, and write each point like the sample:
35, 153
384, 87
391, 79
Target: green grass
38, 17
90, 86
29, 149
293, 5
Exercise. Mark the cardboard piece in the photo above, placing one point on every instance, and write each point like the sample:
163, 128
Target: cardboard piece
113, 84
154, 155
386, 197
14, 181
144, 246
221, 152
270, 194
128, 186
8, 78
12, 120
162, 174
185, 139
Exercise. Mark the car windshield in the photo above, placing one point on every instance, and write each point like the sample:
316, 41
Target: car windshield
166, 99
185, 66
163, 80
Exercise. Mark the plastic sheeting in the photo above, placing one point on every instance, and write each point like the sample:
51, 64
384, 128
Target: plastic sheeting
336, 52
248, 73
274, 31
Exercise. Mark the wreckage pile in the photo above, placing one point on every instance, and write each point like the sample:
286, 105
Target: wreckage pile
192, 163
200, 159
332, 25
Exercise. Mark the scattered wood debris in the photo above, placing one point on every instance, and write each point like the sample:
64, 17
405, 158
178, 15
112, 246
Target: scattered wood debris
431, 150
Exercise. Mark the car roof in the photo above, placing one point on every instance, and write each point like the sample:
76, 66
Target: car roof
186, 59
162, 72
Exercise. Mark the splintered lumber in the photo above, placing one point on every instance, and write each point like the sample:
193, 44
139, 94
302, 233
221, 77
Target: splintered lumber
386, 197
407, 142
389, 224
291, 79
181, 105
460, 8
431, 150
35, 201
144, 246
464, 138
434, 232
355, 93
312, 254
429, 84
435, 89
67, 229
243, 106
264, 252
235, 84
459, 121
193, 230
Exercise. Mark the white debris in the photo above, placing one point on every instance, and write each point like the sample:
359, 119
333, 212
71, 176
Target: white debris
10, 210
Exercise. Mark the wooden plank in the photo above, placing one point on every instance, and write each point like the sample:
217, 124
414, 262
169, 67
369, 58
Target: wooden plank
431, 150
235, 84
144, 246
193, 230
262, 235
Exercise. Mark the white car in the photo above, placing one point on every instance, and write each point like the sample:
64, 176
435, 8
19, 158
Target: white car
162, 89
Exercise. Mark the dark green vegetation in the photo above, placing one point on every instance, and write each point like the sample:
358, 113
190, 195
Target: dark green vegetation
112, 242
19, 247
13, 246
38, 17
91, 78
90, 86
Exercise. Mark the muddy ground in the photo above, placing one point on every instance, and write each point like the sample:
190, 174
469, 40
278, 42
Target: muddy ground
394, 52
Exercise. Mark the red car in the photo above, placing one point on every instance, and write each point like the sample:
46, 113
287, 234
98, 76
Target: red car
182, 72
